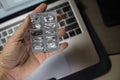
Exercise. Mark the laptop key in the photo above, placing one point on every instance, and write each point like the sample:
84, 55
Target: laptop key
70, 14
78, 31
8, 37
66, 9
10, 31
66, 36
15, 28
59, 11
71, 27
48, 10
64, 16
4, 33
64, 4
72, 33
70, 20
51, 9
0, 35
1, 47
3, 40
62, 23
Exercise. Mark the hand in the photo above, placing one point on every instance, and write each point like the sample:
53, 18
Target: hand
17, 59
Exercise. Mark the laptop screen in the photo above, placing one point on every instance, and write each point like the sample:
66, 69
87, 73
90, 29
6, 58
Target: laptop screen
8, 7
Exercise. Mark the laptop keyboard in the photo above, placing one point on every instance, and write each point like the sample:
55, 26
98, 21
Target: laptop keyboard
68, 22
5, 34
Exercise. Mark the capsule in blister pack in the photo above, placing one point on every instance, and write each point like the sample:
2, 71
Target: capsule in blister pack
44, 32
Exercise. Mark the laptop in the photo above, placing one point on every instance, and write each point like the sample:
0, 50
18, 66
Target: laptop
81, 52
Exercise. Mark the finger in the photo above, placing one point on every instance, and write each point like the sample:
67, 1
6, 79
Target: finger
61, 32
40, 8
59, 17
27, 38
62, 47
22, 29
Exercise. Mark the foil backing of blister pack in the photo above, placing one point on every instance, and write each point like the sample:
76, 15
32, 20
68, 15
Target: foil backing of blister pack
44, 32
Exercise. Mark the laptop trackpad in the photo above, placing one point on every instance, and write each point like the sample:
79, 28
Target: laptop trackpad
54, 67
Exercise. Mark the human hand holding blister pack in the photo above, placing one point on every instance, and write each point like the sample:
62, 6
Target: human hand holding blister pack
17, 54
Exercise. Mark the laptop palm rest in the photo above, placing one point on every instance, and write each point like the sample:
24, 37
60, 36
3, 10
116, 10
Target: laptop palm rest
54, 67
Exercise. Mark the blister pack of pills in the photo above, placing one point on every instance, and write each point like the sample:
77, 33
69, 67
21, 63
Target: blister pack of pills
44, 32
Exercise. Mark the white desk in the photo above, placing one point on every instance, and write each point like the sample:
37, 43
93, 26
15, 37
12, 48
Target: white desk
110, 37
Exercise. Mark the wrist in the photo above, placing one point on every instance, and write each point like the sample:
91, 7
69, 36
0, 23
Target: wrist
4, 74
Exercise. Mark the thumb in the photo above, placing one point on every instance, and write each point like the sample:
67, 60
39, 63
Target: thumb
22, 30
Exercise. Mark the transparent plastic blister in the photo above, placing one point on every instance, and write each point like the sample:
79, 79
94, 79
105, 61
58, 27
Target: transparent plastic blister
44, 32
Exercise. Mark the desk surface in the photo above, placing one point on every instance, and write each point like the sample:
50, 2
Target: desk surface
108, 36
114, 73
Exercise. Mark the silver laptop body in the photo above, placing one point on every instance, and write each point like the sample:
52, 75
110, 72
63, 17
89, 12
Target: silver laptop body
80, 53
